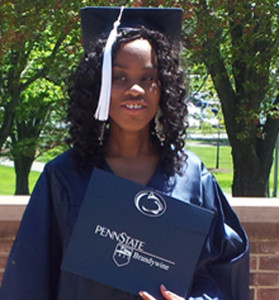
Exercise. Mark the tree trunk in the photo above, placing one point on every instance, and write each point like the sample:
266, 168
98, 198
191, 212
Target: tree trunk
22, 168
252, 160
250, 179
252, 156
9, 115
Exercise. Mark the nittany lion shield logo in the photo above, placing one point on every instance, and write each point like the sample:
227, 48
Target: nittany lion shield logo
122, 255
150, 203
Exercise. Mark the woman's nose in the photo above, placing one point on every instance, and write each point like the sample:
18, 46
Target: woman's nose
136, 89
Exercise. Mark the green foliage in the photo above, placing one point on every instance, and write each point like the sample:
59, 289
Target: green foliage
244, 36
238, 43
39, 46
39, 116
51, 153
38, 41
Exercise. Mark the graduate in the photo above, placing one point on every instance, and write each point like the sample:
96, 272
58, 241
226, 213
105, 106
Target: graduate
127, 116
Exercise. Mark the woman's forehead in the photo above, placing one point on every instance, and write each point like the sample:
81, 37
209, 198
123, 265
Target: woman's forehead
138, 49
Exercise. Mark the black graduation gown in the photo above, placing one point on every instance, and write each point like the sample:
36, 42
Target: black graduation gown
33, 268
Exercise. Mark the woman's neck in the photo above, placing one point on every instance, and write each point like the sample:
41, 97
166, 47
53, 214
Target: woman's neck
132, 156
129, 144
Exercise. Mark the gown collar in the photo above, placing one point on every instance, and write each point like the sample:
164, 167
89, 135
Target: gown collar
156, 182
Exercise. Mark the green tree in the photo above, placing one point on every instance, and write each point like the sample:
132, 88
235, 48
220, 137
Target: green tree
40, 42
38, 126
238, 43
27, 26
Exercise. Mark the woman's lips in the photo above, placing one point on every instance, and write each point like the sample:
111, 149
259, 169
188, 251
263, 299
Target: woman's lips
134, 105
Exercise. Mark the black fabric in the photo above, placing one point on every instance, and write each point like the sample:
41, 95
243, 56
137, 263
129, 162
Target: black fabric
98, 20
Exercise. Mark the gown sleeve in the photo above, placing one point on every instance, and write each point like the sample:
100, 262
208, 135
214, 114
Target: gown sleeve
223, 269
32, 269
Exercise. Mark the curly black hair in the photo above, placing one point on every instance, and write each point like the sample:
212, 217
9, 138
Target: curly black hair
85, 130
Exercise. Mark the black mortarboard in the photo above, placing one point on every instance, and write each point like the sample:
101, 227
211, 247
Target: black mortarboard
98, 20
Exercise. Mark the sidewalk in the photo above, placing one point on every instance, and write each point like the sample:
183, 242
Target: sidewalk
36, 166
206, 137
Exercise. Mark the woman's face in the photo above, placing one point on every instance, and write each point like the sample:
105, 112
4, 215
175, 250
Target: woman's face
135, 91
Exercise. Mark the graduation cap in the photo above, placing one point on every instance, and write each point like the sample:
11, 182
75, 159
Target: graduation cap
98, 20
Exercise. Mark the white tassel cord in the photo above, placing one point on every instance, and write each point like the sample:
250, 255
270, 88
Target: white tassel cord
102, 111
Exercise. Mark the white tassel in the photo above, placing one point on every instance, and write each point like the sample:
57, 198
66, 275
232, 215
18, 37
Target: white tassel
102, 111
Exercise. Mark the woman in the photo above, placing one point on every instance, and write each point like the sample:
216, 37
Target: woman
142, 140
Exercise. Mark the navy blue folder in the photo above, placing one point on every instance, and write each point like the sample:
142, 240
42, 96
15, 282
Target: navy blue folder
133, 238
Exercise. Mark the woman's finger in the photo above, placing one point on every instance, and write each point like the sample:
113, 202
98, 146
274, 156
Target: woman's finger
169, 295
146, 296
166, 294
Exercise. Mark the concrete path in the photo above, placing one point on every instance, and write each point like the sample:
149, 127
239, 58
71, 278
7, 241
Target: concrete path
36, 166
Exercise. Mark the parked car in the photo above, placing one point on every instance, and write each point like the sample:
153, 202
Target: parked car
202, 110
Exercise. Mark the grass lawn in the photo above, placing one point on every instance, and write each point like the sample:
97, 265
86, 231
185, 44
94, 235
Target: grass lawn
208, 155
206, 152
7, 181
224, 174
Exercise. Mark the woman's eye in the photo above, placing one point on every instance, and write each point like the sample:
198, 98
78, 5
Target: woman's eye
149, 78
119, 78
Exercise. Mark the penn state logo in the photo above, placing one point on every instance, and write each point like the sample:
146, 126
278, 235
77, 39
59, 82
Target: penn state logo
150, 203
122, 255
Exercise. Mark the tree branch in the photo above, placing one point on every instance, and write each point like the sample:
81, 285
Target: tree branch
43, 71
275, 44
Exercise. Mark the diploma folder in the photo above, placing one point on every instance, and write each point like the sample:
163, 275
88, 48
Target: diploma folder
134, 238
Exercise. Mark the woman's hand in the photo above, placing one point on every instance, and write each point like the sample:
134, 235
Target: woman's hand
166, 294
